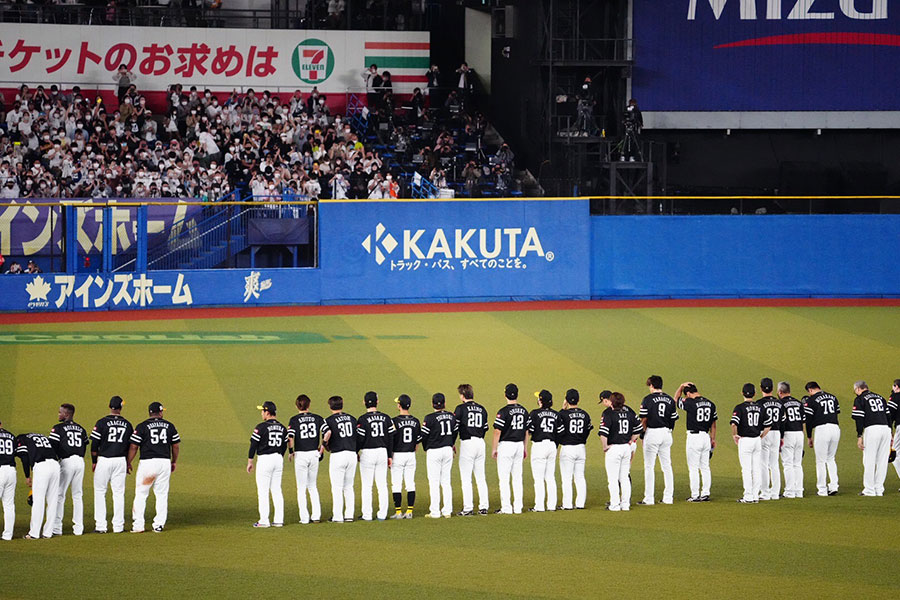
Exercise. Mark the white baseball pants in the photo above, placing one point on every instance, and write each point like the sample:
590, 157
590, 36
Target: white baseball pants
510, 456
825, 444
269, 470
403, 471
618, 466
45, 488
750, 456
771, 475
876, 447
8, 497
71, 473
342, 472
306, 470
792, 462
110, 473
543, 471
658, 443
471, 461
697, 447
439, 464
152, 473
571, 468
373, 467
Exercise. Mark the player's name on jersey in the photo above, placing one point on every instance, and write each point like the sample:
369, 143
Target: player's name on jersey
289, 337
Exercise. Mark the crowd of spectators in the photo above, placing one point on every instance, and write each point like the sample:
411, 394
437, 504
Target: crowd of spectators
70, 144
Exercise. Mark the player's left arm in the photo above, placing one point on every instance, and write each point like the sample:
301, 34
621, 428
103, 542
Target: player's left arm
132, 451
495, 444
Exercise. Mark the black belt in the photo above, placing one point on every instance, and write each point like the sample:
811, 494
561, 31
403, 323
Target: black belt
697, 431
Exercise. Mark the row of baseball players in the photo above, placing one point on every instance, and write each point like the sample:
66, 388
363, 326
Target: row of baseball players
54, 463
762, 429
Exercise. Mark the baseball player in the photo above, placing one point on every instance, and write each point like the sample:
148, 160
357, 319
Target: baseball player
159, 443
339, 437
748, 427
7, 481
541, 428
771, 444
822, 410
571, 435
304, 449
619, 429
700, 422
894, 406
376, 450
439, 430
268, 443
407, 433
792, 419
509, 450
473, 425
41, 470
658, 415
873, 437
109, 447
69, 441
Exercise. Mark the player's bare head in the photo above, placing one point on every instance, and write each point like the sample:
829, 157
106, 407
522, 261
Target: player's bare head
655, 382
812, 386
66, 411
511, 392
116, 403
465, 390
302, 402
572, 397
617, 400
336, 403
370, 399
690, 388
438, 401
784, 388
748, 391
766, 386
860, 386
897, 384
545, 398
403, 401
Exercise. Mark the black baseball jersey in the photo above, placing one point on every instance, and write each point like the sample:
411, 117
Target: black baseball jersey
659, 410
894, 408
407, 432
792, 414
32, 449
473, 420
619, 425
343, 432
305, 429
750, 419
869, 409
68, 439
510, 421
772, 410
573, 427
375, 430
821, 408
542, 424
439, 430
269, 437
155, 437
7, 449
700, 413
110, 437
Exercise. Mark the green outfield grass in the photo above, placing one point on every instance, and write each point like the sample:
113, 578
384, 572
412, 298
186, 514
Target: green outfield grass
211, 381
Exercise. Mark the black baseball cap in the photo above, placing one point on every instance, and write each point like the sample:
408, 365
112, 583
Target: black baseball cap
572, 396
155, 407
544, 396
438, 400
604, 395
371, 399
512, 391
748, 391
403, 401
269, 407
116, 403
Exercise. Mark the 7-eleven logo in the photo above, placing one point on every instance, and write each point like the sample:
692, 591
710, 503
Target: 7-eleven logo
313, 61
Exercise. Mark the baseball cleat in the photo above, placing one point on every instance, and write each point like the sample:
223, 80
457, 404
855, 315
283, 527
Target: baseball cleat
28, 536
408, 515
157, 528
742, 501
431, 516
99, 531
483, 511
445, 516
642, 503
348, 520
704, 498
260, 526
465, 513
277, 524
137, 531
693, 499
397, 516
833, 493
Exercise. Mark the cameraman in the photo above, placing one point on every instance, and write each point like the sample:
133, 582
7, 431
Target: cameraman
585, 123
633, 121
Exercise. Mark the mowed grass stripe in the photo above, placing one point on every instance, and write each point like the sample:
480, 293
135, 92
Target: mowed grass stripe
875, 325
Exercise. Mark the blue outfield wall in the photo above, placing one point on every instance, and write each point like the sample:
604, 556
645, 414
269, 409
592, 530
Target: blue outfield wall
745, 256
456, 250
